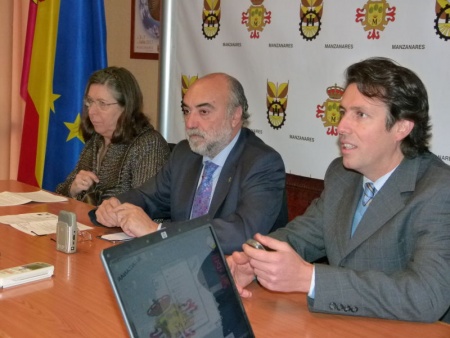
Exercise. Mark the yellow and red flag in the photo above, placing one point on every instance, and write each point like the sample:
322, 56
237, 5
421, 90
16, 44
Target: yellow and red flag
65, 43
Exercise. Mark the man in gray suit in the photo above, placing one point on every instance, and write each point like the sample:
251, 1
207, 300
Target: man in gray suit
248, 184
396, 262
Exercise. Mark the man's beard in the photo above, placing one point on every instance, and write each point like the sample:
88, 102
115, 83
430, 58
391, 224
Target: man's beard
209, 145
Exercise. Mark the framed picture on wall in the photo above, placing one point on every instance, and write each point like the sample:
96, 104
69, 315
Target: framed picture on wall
145, 29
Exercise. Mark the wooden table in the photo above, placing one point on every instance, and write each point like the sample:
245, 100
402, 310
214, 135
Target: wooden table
78, 300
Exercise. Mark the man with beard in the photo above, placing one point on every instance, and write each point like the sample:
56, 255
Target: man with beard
248, 183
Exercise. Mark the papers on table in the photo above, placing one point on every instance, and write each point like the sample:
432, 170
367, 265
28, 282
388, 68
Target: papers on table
36, 224
119, 236
17, 198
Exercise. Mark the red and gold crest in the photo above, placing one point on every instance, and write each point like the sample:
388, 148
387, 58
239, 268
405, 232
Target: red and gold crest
329, 111
171, 318
374, 16
255, 18
277, 99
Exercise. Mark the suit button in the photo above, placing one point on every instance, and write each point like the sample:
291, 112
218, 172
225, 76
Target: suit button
347, 309
333, 306
354, 309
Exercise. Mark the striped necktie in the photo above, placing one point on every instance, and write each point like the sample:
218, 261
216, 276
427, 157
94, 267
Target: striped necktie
369, 192
366, 198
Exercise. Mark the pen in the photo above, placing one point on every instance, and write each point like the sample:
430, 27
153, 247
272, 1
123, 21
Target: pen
36, 234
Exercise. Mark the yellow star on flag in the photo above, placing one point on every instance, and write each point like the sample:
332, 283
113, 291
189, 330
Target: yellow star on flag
53, 98
74, 129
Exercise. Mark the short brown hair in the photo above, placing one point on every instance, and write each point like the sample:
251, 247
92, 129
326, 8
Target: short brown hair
125, 89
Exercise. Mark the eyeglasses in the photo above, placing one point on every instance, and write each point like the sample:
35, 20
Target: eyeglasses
102, 105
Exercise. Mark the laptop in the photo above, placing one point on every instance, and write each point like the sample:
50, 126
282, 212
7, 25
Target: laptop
176, 283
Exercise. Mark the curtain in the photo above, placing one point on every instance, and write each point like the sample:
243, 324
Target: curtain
13, 21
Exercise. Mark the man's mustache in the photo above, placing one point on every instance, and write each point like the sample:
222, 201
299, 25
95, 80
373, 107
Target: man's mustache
195, 132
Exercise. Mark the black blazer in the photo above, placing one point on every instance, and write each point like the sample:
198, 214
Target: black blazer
249, 196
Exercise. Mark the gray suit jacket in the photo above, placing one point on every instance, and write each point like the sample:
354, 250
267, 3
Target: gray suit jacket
397, 264
249, 196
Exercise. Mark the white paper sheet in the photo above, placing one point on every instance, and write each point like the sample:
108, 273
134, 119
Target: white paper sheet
119, 236
18, 198
36, 224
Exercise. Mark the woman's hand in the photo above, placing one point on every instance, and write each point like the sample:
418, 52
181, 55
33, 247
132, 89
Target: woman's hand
83, 182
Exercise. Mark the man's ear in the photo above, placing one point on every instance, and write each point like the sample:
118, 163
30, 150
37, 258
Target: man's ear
236, 118
404, 128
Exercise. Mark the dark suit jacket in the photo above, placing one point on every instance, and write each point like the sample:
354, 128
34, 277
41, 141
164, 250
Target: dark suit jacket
249, 196
397, 264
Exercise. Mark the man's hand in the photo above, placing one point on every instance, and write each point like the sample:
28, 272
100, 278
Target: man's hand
105, 213
279, 270
133, 220
241, 271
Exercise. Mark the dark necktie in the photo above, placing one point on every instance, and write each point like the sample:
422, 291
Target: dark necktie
202, 197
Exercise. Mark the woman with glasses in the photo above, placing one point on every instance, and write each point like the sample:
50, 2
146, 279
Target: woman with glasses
122, 149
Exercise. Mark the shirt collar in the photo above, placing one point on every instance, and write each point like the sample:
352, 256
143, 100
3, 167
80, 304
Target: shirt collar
221, 157
381, 181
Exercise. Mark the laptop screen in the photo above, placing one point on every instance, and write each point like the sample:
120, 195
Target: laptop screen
175, 283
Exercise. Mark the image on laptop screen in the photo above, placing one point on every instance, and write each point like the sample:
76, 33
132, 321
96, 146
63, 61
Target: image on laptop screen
175, 283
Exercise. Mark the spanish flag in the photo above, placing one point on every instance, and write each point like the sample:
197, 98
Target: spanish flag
65, 44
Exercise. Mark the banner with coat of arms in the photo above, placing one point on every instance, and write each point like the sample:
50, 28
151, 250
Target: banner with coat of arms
290, 56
